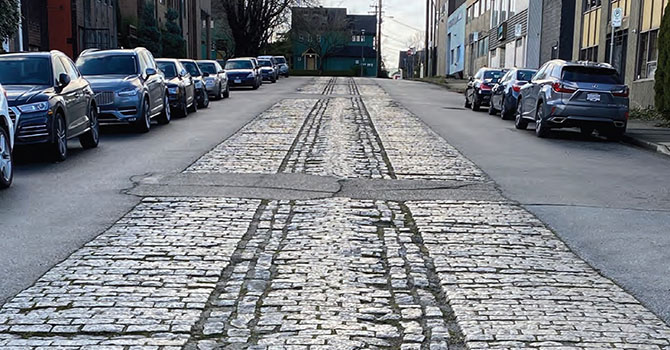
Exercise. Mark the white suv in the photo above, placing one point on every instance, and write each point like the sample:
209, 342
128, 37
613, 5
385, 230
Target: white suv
6, 142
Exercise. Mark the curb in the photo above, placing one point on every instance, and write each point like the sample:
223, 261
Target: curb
652, 146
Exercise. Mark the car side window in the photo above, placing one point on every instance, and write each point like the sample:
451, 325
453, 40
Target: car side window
556, 72
506, 77
151, 62
70, 69
542, 72
59, 68
218, 67
479, 74
143, 62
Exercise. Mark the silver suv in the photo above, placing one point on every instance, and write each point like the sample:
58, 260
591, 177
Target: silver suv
586, 95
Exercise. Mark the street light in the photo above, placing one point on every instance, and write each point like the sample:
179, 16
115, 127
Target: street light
362, 48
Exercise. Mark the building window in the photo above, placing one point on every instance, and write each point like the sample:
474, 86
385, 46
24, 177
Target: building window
591, 4
624, 4
589, 54
590, 31
652, 13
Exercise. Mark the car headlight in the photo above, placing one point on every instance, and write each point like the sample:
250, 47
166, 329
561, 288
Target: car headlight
128, 92
251, 75
173, 90
198, 84
34, 107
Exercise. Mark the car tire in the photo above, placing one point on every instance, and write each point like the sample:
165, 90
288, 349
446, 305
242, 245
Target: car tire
194, 106
59, 146
541, 130
6, 160
219, 93
519, 122
492, 110
91, 139
166, 115
475, 103
504, 111
143, 124
226, 93
467, 100
205, 101
255, 87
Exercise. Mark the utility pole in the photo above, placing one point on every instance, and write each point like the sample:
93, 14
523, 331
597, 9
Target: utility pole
379, 41
425, 50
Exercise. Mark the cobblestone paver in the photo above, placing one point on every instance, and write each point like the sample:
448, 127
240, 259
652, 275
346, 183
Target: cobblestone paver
513, 284
145, 281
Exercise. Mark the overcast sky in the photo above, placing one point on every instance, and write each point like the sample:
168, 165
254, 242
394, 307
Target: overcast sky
408, 20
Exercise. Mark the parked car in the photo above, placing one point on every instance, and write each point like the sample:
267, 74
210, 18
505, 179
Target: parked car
201, 94
6, 142
587, 95
478, 91
127, 87
283, 66
49, 101
216, 80
243, 72
180, 86
268, 72
275, 65
505, 94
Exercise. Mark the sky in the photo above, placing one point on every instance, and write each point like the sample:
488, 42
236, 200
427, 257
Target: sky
403, 21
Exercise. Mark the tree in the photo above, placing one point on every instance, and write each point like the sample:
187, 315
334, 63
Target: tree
322, 30
173, 41
9, 21
253, 22
148, 34
662, 75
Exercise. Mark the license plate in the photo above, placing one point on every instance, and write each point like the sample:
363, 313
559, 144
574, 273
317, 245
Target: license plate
593, 97
238, 81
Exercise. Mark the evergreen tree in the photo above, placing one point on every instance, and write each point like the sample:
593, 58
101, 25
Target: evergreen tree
9, 21
174, 45
148, 34
662, 76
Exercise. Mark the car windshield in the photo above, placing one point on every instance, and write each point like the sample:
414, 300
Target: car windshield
525, 75
591, 75
265, 63
493, 75
168, 68
280, 60
192, 68
25, 71
208, 68
239, 65
107, 65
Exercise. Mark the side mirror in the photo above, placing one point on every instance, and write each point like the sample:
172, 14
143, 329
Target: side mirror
63, 80
471, 78
150, 71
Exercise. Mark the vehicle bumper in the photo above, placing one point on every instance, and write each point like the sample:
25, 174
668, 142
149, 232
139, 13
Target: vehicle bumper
125, 109
569, 116
175, 100
242, 82
34, 128
484, 97
268, 76
212, 89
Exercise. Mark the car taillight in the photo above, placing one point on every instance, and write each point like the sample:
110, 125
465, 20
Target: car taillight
484, 87
558, 87
627, 115
623, 93
516, 88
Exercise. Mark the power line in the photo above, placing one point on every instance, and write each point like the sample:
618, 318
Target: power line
406, 25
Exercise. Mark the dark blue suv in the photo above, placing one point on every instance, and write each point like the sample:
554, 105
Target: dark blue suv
128, 86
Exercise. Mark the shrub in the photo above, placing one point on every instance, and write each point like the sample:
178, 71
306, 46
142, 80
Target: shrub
662, 76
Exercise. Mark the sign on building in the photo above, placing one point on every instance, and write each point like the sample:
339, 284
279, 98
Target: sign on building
617, 17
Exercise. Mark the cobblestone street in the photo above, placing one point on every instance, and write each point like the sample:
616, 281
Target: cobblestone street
364, 230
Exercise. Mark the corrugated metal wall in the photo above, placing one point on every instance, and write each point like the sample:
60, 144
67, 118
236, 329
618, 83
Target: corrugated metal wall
534, 34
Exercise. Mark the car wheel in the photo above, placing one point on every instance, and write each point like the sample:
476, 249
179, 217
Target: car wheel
467, 100
541, 130
92, 137
219, 92
519, 122
59, 146
255, 87
504, 112
166, 115
475, 103
492, 110
205, 101
143, 124
183, 107
6, 160
226, 93
194, 106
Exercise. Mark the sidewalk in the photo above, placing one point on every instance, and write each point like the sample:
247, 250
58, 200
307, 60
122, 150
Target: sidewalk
646, 134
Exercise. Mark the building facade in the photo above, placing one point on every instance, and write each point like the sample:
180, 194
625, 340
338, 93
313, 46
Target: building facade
508, 33
456, 42
478, 23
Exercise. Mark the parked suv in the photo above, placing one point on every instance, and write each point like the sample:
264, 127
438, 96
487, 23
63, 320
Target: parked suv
180, 86
201, 94
587, 95
127, 86
478, 91
505, 94
216, 80
283, 66
243, 72
49, 101
6, 143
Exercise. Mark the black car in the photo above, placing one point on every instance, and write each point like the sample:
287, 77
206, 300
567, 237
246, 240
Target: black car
127, 85
201, 94
49, 101
478, 91
181, 88
243, 72
505, 94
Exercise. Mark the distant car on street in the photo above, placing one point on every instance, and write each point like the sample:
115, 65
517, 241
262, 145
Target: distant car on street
275, 65
6, 142
505, 94
180, 86
283, 66
49, 101
201, 94
216, 80
587, 95
243, 72
268, 72
128, 88
478, 90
